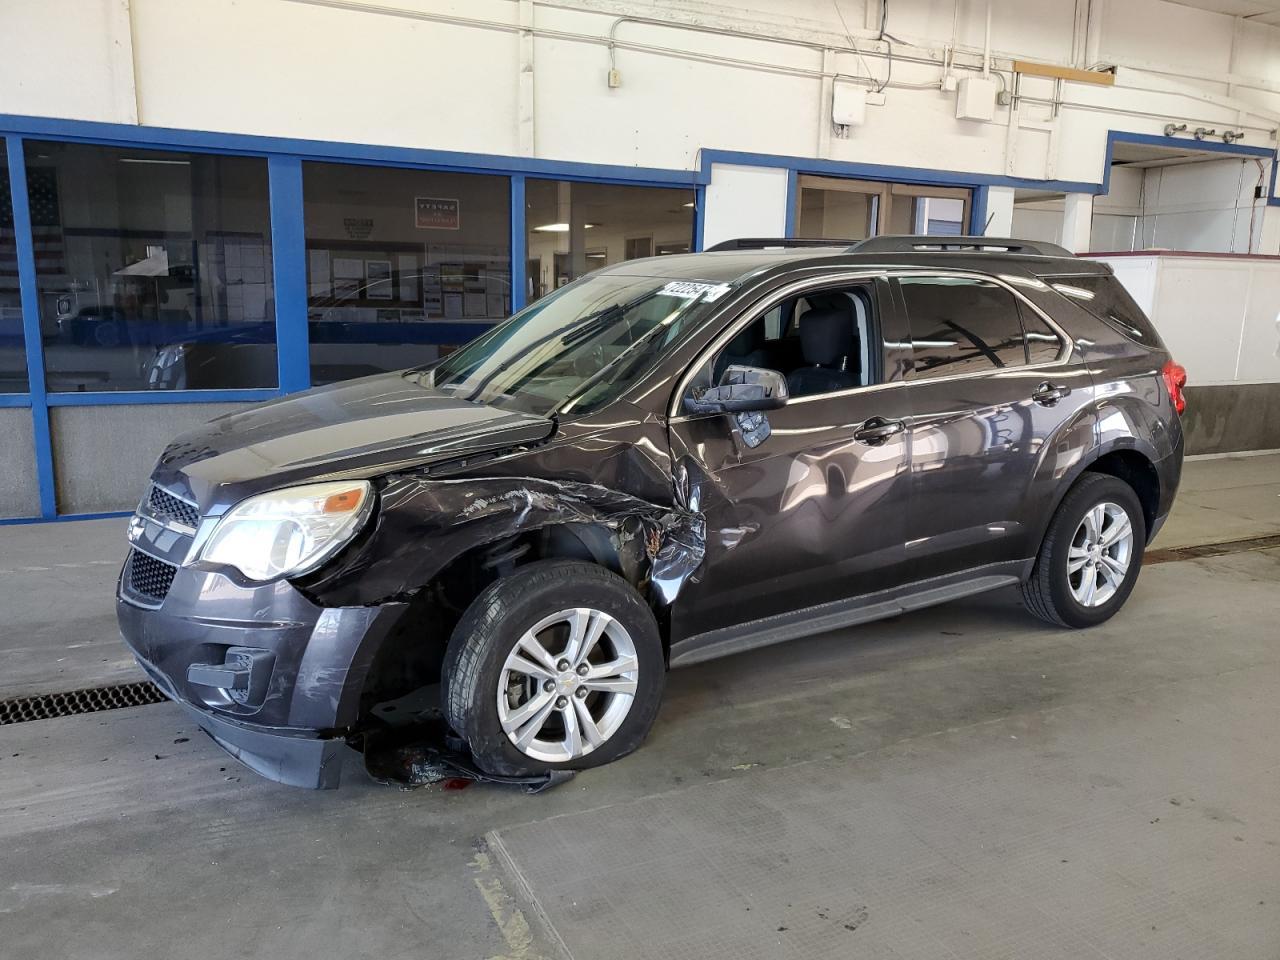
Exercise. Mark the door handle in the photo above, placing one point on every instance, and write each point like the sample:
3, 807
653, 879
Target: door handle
1047, 394
877, 430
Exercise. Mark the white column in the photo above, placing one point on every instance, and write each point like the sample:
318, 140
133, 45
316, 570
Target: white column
1077, 222
1267, 240
744, 202
999, 212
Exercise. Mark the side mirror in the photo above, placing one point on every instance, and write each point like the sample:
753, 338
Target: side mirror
741, 390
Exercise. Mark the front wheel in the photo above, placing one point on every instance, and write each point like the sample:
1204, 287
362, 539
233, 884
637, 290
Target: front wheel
1089, 561
558, 666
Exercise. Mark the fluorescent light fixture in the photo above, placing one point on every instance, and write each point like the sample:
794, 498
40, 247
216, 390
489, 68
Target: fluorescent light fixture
559, 227
170, 163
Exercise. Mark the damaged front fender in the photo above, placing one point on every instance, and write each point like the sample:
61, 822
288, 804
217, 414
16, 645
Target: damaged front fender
422, 525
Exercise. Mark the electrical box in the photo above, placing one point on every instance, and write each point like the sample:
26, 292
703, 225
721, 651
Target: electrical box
848, 105
976, 98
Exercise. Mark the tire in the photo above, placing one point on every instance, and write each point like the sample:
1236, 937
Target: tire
1056, 593
481, 679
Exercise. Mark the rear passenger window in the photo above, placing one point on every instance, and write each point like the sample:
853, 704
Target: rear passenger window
961, 326
1043, 345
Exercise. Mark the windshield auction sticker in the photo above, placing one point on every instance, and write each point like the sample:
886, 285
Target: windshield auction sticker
688, 290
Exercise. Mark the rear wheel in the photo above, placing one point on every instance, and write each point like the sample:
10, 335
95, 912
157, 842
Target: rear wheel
1091, 554
558, 666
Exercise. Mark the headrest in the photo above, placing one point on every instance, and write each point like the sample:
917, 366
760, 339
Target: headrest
826, 336
750, 339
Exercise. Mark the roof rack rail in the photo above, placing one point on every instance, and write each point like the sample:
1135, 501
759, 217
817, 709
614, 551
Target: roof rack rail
912, 244
776, 243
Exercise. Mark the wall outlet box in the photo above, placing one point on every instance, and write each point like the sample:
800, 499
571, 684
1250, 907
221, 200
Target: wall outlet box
875, 99
949, 83
976, 99
615, 79
848, 105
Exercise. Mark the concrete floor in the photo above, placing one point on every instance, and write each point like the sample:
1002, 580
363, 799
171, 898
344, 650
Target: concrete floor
962, 781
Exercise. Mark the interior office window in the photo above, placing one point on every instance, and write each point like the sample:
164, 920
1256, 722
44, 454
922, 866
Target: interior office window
961, 326
403, 266
13, 357
153, 267
842, 209
574, 228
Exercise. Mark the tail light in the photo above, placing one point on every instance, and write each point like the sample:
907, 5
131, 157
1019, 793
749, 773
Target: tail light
1175, 378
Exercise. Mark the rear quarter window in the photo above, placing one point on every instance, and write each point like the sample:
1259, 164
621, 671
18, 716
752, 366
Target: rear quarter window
1106, 298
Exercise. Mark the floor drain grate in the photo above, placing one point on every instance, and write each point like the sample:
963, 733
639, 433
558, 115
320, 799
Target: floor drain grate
46, 706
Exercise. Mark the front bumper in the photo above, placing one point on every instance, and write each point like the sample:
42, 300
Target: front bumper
309, 666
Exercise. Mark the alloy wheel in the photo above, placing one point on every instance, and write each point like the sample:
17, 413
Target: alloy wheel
567, 684
1100, 553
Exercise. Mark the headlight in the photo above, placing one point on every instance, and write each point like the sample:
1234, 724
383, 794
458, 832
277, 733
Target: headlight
289, 532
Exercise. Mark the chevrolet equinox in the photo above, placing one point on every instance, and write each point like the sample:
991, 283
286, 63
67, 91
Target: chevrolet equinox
665, 461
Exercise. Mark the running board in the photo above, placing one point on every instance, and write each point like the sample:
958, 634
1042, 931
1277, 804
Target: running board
824, 618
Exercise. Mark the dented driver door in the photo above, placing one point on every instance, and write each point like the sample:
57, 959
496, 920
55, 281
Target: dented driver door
814, 512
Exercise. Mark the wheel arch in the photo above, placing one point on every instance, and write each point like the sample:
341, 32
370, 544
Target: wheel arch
439, 544
1127, 459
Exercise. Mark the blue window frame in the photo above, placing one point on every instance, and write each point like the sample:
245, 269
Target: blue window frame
285, 159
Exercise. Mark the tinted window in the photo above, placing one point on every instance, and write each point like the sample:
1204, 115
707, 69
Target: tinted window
1043, 345
13, 358
153, 267
961, 326
1105, 297
578, 347
402, 265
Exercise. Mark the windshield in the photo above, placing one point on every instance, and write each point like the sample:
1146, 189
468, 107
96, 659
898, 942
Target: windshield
578, 347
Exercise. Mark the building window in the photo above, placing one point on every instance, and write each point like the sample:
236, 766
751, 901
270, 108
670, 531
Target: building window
153, 267
574, 228
839, 209
403, 266
13, 357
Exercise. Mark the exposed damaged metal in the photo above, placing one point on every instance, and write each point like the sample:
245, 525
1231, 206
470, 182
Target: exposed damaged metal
657, 547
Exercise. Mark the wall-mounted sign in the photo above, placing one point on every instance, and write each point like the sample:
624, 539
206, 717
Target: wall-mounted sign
358, 228
436, 213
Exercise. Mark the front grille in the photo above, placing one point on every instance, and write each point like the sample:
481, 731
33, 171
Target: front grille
48, 705
165, 507
147, 577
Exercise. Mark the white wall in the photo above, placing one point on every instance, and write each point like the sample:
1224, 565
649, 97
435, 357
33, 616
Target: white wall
1206, 206
1219, 318
391, 74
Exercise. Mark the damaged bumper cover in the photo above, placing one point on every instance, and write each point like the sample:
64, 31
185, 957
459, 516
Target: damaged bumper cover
274, 679
274, 672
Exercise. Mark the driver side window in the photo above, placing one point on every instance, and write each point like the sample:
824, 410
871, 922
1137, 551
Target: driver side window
821, 342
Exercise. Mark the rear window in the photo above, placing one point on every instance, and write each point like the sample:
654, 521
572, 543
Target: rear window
1106, 298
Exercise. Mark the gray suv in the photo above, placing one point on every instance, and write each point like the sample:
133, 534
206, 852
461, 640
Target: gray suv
666, 461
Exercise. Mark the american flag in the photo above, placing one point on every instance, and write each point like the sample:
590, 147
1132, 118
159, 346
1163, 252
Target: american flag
46, 234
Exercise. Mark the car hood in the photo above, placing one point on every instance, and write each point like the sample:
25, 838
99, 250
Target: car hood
360, 428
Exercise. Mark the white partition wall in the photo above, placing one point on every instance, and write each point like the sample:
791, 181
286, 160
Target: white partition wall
1220, 318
